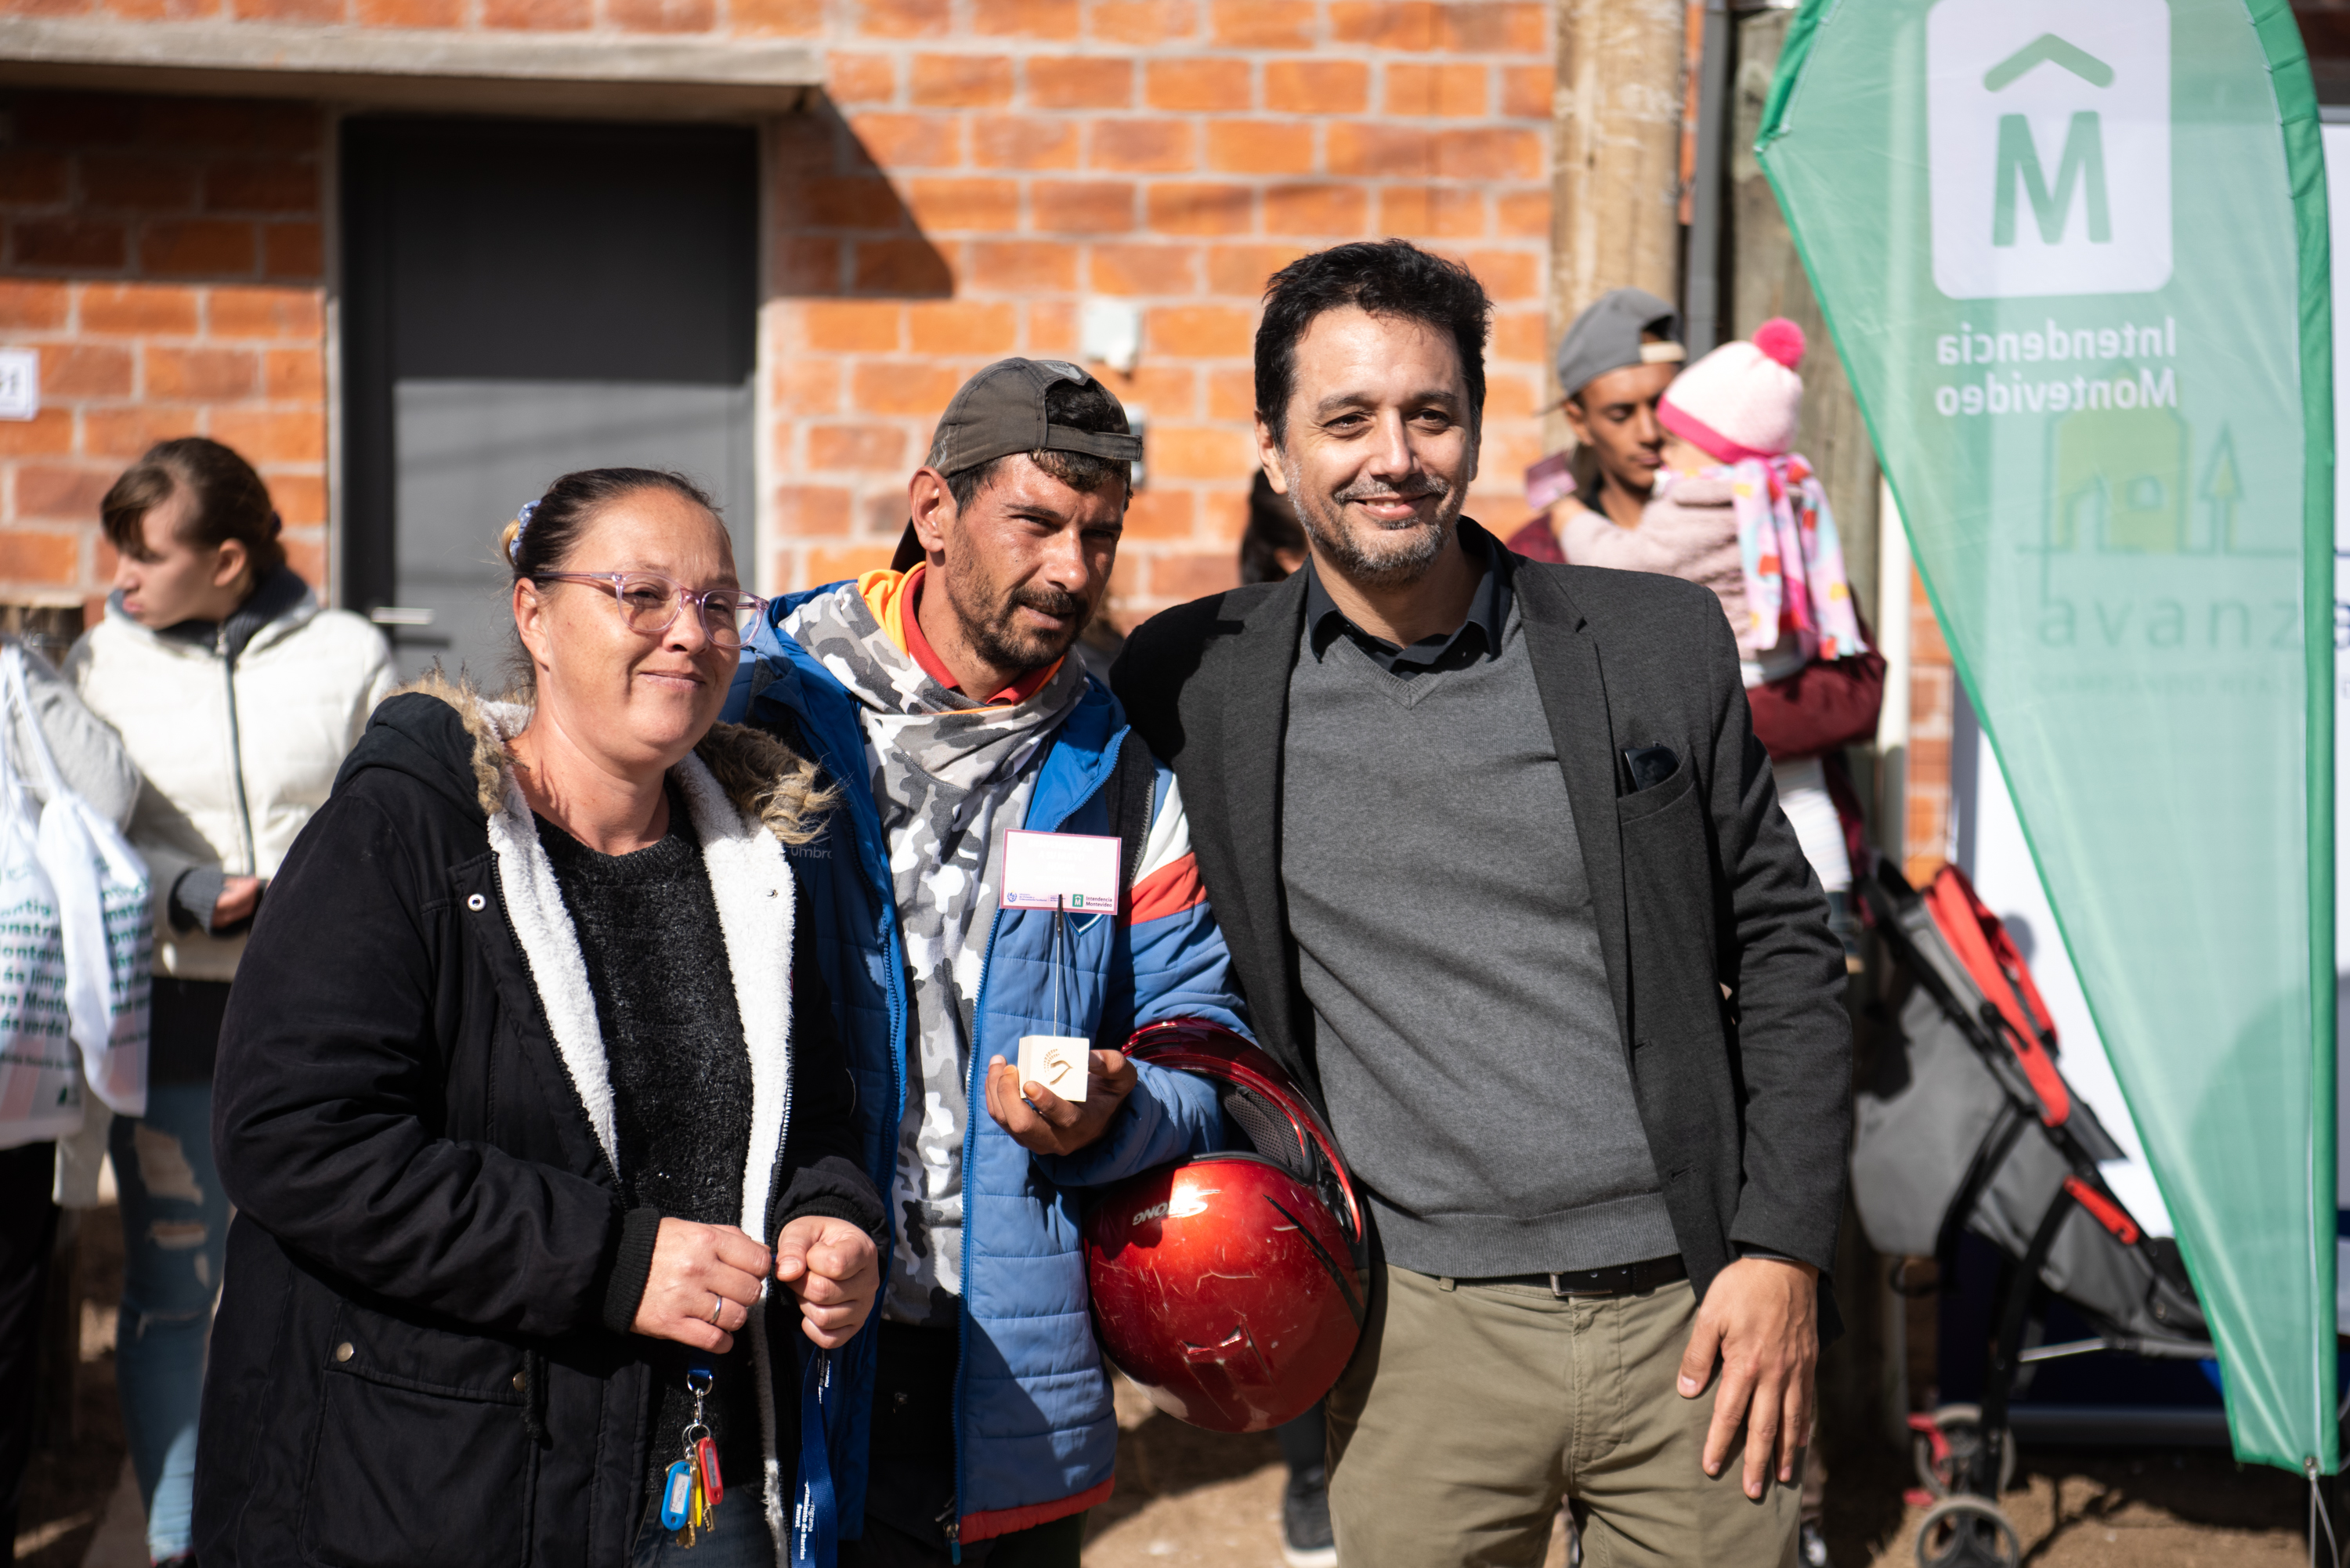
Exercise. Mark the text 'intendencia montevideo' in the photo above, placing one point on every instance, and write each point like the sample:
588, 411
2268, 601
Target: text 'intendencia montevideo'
2107, 385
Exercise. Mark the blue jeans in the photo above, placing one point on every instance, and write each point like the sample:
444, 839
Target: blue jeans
741, 1540
174, 1237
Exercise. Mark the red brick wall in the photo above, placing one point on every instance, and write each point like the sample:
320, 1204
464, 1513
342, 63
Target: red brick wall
1926, 825
162, 254
979, 169
994, 163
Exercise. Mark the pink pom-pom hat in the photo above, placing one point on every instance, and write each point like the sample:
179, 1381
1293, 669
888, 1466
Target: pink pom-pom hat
1743, 400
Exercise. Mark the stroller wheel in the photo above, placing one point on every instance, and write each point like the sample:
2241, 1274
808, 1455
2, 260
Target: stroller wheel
1967, 1533
1944, 1445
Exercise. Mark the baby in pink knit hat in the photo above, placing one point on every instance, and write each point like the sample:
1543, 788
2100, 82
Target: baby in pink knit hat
1739, 512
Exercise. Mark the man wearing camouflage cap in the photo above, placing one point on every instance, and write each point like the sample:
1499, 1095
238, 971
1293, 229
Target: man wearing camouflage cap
943, 699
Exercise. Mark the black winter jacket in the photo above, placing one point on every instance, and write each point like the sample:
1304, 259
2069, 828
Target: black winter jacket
415, 1363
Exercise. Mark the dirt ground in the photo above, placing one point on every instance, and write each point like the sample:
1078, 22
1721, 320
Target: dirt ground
69, 1480
1189, 1499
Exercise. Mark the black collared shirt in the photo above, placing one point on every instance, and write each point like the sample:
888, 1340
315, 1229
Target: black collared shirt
1477, 637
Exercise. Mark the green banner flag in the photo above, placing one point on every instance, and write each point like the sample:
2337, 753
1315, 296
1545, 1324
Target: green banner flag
2074, 256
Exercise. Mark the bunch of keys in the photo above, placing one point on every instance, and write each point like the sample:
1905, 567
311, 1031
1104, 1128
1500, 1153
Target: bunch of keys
690, 1494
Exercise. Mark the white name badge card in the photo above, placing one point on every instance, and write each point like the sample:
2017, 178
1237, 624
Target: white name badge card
1061, 1063
1073, 871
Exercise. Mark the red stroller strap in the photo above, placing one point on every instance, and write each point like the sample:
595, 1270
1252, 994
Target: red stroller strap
2105, 1211
1983, 945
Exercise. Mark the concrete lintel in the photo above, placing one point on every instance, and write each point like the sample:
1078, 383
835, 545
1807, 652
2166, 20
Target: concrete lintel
663, 77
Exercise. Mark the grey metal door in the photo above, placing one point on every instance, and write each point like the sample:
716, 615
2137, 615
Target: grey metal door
521, 299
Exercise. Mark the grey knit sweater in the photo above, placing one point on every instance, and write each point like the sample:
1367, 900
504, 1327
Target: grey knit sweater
1462, 1023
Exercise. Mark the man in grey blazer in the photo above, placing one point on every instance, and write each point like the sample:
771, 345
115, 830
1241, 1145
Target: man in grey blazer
1501, 867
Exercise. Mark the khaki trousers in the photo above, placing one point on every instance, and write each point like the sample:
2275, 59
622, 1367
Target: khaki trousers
1471, 1411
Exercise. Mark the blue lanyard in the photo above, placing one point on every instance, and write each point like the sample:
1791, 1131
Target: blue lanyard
816, 1523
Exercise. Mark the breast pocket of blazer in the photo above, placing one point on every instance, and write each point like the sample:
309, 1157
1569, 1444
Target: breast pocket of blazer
1668, 883
1642, 805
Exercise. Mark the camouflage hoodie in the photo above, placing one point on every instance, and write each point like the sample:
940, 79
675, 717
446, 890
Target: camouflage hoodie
949, 776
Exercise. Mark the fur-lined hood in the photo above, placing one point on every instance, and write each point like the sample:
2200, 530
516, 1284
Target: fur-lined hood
766, 780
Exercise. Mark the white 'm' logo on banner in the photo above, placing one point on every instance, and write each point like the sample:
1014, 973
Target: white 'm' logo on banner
2048, 136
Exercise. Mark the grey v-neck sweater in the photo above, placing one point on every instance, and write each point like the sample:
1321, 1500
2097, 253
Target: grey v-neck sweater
1463, 1028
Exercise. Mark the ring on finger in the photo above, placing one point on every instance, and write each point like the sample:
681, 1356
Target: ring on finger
717, 1306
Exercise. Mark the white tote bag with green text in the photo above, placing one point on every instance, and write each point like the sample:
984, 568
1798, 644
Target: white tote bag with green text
75, 946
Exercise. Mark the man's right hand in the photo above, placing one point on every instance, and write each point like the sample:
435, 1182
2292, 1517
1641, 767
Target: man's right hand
705, 1280
1041, 1122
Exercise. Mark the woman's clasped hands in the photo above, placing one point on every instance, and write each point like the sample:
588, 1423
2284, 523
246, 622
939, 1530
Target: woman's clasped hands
706, 1279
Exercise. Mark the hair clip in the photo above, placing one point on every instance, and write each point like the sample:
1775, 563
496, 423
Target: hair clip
522, 521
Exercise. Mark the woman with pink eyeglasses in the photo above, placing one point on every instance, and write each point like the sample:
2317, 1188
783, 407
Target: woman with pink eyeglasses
530, 1099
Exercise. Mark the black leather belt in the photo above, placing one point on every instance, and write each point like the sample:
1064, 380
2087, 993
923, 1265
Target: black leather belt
1620, 1280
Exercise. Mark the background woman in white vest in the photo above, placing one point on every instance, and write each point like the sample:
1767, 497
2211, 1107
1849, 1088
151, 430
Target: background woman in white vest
237, 696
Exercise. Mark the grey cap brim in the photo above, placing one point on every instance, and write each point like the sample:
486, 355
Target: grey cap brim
1609, 335
1001, 410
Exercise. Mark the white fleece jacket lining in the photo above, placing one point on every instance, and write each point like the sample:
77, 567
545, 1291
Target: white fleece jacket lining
751, 883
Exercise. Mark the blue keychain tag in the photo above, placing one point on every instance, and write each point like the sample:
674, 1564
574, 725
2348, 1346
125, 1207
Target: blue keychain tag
677, 1496
815, 1523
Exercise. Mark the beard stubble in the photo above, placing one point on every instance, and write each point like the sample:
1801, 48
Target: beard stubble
987, 614
1375, 556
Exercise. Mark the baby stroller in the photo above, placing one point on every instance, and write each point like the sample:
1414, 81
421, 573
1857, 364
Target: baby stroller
1969, 1126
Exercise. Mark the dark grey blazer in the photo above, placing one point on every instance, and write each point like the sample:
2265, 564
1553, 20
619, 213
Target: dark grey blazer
1729, 986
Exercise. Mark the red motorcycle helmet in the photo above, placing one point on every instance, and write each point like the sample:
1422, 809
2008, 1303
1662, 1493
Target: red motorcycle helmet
1232, 1287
